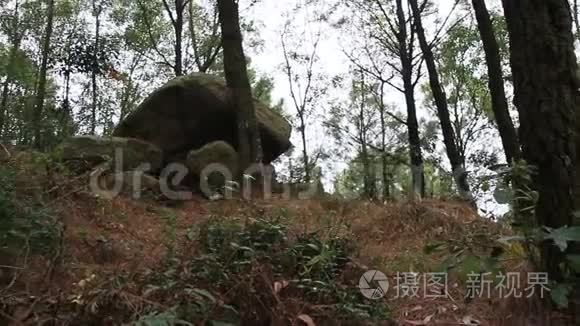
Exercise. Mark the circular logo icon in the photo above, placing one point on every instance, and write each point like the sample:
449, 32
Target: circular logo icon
373, 284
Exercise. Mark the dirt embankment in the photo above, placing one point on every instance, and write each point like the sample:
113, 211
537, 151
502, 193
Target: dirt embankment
105, 242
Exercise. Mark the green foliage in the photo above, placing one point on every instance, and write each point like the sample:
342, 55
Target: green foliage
561, 289
170, 232
262, 88
165, 318
523, 200
25, 225
463, 74
560, 293
533, 237
238, 255
323, 260
468, 255
259, 235
562, 236
200, 309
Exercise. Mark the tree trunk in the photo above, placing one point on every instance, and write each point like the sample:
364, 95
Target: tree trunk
177, 23
368, 179
6, 87
546, 86
16, 39
4, 102
457, 164
65, 117
499, 103
204, 58
305, 157
178, 26
95, 91
126, 98
237, 80
576, 21
418, 177
384, 163
41, 91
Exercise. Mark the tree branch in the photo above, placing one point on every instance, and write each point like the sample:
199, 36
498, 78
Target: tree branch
169, 12
150, 34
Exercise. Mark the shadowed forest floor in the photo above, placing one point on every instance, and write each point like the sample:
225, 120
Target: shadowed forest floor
277, 262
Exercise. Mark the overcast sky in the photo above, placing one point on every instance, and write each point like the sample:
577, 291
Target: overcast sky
272, 13
271, 16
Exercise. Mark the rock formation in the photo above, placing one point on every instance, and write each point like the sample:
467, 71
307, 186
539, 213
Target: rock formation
191, 111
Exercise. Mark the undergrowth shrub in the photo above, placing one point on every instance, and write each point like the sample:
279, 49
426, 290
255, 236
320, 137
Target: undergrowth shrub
26, 226
255, 272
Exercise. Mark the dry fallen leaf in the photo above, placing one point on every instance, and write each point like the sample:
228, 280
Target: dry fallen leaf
417, 308
307, 320
423, 322
278, 286
469, 320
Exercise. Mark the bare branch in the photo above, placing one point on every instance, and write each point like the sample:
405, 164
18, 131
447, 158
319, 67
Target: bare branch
394, 30
193, 36
150, 34
288, 68
169, 12
419, 72
439, 33
312, 59
375, 74
210, 59
384, 110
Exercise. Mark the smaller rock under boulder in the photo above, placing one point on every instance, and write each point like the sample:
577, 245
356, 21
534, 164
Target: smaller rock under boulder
218, 152
95, 150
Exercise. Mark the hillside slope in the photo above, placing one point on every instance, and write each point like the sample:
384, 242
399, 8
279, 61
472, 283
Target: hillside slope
70, 257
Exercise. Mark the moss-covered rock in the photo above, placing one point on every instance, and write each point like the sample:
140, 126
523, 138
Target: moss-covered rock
215, 152
191, 111
218, 152
94, 150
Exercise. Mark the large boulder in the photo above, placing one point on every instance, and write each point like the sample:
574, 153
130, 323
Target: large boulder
191, 111
95, 150
218, 152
